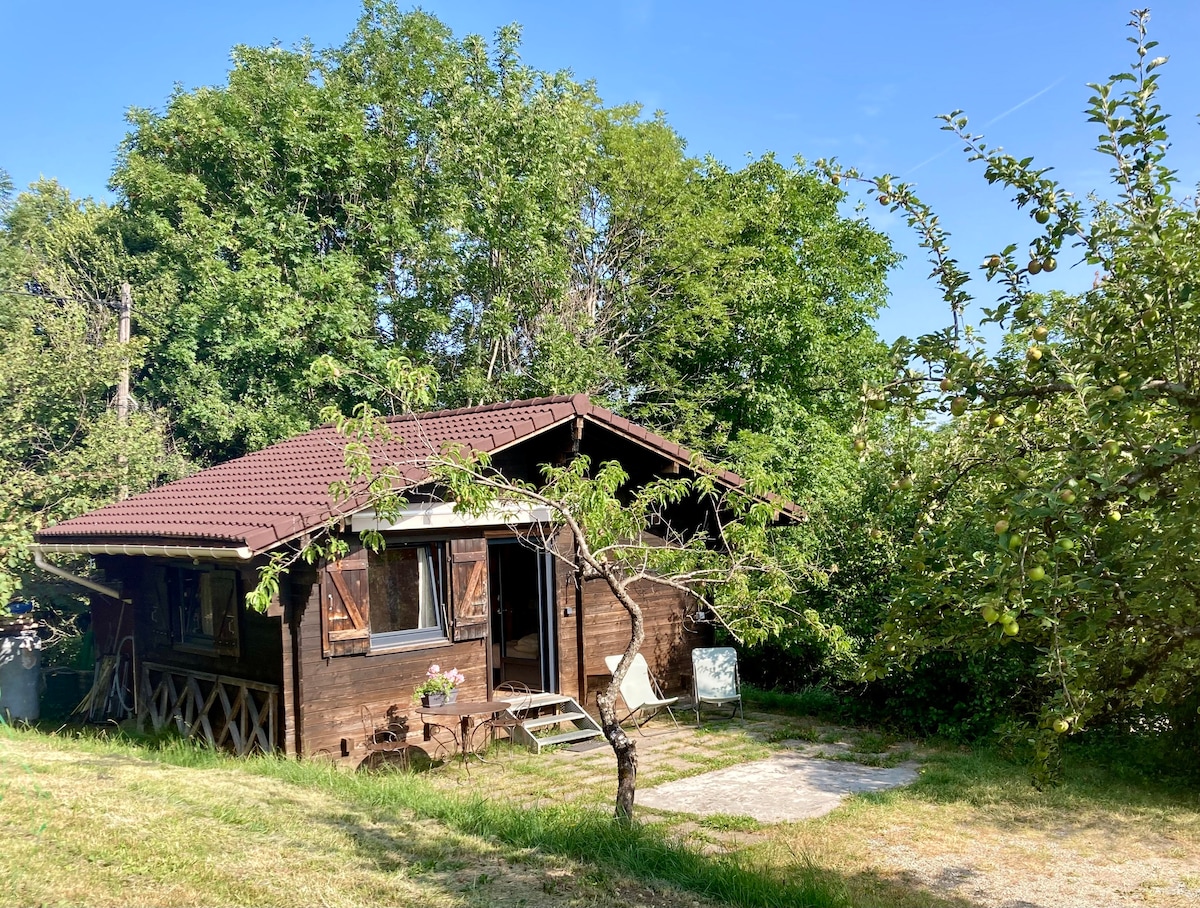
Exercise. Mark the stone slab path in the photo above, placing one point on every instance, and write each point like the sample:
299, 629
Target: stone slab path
784, 787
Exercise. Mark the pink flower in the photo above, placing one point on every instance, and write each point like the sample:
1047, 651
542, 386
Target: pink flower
433, 670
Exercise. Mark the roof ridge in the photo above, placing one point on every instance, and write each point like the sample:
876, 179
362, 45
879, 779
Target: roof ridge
581, 401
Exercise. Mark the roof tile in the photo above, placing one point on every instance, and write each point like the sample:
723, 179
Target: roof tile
274, 494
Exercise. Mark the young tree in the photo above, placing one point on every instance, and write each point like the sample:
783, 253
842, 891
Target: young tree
1059, 499
598, 526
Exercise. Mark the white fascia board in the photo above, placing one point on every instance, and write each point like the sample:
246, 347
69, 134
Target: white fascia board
440, 516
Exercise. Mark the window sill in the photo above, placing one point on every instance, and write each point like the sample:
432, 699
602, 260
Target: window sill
394, 648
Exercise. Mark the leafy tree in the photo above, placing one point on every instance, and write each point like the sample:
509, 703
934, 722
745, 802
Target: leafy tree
411, 194
1058, 500
63, 450
405, 194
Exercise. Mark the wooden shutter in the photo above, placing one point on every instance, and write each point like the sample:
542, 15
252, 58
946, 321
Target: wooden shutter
157, 595
220, 587
468, 589
345, 610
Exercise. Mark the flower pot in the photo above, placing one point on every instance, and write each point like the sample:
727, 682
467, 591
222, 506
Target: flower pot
438, 699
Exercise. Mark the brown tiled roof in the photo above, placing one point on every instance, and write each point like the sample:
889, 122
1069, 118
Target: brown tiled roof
278, 493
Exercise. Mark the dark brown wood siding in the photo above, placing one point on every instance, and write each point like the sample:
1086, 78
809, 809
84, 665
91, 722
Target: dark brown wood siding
260, 652
606, 629
340, 698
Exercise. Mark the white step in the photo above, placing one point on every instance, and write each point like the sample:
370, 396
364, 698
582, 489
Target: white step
581, 734
540, 721
534, 700
525, 712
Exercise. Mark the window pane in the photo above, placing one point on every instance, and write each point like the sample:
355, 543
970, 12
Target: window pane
402, 590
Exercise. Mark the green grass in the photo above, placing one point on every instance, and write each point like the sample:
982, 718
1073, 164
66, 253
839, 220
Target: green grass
576, 832
966, 807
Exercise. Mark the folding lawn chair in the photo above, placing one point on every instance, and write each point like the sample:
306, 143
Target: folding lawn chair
641, 692
715, 679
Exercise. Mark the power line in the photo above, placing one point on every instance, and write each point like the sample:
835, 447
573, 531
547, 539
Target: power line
116, 307
52, 297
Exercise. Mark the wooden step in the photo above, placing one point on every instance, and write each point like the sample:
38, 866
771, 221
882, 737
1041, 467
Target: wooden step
567, 737
540, 721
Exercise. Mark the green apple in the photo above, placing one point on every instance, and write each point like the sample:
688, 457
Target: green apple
1034, 267
990, 615
1015, 540
1114, 516
1067, 496
906, 483
860, 444
958, 406
1001, 526
1061, 726
1040, 333
1033, 354
996, 420
1037, 573
1011, 629
1042, 216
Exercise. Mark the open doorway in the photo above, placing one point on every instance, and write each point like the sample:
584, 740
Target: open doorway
521, 585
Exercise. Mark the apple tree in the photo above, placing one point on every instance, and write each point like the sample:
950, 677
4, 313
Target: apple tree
1059, 494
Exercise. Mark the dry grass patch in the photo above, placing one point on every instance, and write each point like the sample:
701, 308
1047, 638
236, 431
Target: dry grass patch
83, 827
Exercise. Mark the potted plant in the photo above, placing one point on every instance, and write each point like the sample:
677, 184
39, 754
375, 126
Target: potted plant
439, 687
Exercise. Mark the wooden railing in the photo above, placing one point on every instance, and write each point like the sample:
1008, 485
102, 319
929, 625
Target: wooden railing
230, 713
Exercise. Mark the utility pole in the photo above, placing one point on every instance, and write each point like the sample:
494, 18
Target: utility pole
123, 399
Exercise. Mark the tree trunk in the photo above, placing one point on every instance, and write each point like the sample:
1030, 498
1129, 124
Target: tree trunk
606, 702
624, 748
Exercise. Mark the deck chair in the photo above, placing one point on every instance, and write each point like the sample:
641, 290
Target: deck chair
715, 679
641, 692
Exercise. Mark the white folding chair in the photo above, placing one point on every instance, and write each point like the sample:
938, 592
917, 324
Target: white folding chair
640, 691
715, 679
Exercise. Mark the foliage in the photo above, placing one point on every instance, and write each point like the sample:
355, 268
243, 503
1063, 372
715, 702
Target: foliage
63, 451
1057, 512
412, 194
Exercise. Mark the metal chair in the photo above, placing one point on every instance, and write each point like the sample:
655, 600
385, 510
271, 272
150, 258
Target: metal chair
715, 680
641, 692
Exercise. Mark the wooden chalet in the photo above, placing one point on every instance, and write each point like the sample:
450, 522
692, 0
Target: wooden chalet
343, 645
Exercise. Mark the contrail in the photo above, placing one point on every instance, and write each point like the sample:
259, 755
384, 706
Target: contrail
990, 122
1023, 103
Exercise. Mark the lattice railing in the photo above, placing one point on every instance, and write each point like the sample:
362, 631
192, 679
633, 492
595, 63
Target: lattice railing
230, 713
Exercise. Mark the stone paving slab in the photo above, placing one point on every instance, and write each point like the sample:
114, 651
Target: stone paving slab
781, 788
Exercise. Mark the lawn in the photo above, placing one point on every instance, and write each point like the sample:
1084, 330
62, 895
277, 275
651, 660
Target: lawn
100, 821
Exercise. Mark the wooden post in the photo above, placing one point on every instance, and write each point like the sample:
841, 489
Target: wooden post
124, 403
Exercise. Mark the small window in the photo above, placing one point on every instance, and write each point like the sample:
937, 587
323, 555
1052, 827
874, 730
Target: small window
206, 613
406, 595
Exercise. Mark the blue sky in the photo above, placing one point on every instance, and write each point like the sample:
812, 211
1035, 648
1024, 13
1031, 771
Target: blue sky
854, 79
